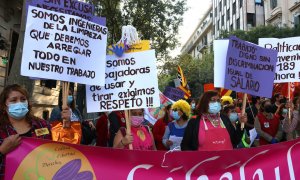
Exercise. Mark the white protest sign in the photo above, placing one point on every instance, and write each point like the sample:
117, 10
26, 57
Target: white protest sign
131, 83
220, 53
288, 59
63, 47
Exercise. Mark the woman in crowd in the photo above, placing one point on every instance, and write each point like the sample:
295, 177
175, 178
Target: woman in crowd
56, 112
290, 122
17, 121
75, 116
193, 104
102, 130
267, 124
231, 117
141, 137
175, 130
207, 131
159, 128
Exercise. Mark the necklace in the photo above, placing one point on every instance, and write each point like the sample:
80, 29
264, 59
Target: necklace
214, 121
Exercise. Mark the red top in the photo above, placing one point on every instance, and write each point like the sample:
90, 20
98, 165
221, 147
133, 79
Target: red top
269, 126
158, 133
213, 138
102, 131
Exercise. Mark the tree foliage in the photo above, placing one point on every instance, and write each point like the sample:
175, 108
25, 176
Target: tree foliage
196, 71
157, 21
111, 10
263, 32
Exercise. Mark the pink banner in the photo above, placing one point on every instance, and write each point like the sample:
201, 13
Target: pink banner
40, 159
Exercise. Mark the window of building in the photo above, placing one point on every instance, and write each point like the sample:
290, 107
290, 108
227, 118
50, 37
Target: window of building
213, 30
224, 3
250, 20
204, 40
216, 12
222, 20
48, 83
228, 14
258, 1
273, 4
233, 8
218, 25
231, 27
241, 3
220, 6
297, 21
238, 23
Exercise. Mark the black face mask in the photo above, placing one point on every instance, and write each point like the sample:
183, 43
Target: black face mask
268, 108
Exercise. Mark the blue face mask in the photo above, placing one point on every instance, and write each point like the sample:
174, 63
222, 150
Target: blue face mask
175, 115
214, 107
18, 110
233, 117
193, 105
70, 99
284, 111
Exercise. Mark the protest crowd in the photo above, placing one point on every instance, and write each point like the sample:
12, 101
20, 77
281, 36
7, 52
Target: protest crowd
184, 125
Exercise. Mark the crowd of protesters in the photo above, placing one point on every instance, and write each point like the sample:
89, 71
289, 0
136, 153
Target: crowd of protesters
208, 123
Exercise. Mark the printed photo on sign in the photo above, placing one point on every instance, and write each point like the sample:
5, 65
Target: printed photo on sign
249, 68
288, 59
63, 47
131, 83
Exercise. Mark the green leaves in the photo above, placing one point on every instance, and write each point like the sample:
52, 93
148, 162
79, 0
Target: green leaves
196, 71
263, 32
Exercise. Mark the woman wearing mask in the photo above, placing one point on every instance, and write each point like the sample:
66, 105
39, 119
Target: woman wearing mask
159, 128
207, 131
141, 137
267, 124
231, 118
193, 107
175, 130
17, 121
72, 135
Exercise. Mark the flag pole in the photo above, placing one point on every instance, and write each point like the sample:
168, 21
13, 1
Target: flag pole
244, 109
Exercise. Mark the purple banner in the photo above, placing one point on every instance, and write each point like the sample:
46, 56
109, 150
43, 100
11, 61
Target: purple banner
72, 7
250, 68
173, 93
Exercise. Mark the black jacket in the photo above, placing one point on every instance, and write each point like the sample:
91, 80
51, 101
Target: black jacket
190, 140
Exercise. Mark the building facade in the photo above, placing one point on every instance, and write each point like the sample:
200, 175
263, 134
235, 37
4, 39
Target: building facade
201, 38
229, 15
282, 12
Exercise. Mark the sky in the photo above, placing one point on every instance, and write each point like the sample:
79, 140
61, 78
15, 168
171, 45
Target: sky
191, 18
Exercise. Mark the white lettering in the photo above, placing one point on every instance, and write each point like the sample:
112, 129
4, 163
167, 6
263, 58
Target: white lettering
188, 174
131, 173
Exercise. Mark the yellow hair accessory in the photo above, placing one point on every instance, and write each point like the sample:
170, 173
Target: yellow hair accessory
183, 106
227, 99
